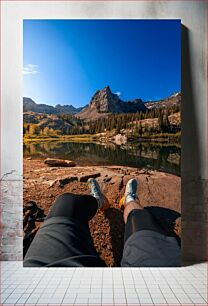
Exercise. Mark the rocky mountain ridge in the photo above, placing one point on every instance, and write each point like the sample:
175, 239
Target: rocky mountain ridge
30, 106
170, 101
103, 103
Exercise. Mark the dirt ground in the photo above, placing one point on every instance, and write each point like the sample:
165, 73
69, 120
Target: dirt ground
42, 184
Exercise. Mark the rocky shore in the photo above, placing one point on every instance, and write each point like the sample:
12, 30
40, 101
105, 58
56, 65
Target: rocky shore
44, 182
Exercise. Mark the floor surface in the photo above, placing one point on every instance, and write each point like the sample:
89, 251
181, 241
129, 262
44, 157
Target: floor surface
103, 286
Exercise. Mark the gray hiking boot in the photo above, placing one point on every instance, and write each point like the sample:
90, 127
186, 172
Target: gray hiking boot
130, 191
97, 193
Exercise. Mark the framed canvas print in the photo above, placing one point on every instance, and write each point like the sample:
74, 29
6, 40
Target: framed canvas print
101, 142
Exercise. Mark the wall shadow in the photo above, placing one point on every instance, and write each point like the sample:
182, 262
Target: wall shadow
193, 204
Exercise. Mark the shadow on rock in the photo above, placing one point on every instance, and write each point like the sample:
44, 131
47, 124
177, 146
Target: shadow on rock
117, 226
167, 219
32, 215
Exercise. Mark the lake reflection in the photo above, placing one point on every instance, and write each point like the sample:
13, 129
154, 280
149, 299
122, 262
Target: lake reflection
142, 155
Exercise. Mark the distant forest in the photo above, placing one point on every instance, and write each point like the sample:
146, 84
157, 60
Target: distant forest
130, 122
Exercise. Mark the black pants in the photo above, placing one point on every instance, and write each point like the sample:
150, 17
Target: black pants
141, 219
81, 207
84, 207
64, 239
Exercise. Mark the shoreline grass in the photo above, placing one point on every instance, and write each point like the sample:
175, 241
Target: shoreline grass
163, 138
84, 137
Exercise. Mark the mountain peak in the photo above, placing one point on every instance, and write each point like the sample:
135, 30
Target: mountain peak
107, 89
28, 101
105, 102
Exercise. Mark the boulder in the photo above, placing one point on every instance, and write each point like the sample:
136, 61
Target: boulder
107, 179
177, 227
62, 181
53, 162
31, 205
117, 180
66, 180
84, 178
120, 139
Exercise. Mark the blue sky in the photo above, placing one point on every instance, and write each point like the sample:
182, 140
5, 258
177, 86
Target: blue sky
66, 61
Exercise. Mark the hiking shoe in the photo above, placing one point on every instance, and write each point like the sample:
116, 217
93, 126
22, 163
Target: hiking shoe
97, 193
130, 192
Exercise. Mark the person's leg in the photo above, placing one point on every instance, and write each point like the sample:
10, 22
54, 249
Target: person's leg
151, 246
81, 207
137, 219
135, 216
60, 239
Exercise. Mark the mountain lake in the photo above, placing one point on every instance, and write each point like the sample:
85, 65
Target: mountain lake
160, 157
